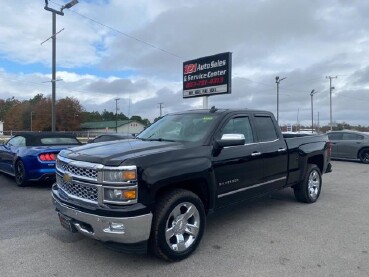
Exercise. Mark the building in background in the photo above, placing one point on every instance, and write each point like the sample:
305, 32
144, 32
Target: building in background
122, 126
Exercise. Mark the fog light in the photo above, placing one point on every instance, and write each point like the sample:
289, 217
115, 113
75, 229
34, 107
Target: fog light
116, 227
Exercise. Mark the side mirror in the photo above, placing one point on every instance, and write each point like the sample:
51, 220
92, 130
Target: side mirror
228, 140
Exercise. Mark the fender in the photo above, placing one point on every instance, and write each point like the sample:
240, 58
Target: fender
196, 171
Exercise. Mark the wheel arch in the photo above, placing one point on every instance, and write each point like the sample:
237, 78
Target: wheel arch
361, 149
318, 160
197, 186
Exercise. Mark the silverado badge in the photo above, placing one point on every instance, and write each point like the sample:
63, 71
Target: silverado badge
67, 177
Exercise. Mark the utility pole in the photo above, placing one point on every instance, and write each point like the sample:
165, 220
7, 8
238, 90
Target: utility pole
312, 110
116, 114
278, 80
298, 122
330, 98
318, 126
53, 97
31, 120
160, 107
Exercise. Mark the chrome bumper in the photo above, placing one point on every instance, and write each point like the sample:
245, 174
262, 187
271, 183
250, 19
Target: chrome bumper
134, 229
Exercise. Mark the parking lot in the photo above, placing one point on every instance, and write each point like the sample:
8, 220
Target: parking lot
272, 236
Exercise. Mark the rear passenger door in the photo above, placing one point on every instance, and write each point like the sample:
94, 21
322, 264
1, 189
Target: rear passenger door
274, 151
350, 145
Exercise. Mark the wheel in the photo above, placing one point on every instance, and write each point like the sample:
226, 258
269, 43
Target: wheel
308, 190
364, 156
20, 174
178, 225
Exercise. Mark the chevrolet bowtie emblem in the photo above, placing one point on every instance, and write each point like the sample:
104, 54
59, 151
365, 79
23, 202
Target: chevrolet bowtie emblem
67, 177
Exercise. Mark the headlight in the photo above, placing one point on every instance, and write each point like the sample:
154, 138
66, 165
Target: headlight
120, 195
119, 176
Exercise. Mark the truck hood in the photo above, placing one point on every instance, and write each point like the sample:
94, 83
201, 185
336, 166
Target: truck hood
114, 153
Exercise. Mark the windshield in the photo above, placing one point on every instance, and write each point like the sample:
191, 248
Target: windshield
180, 127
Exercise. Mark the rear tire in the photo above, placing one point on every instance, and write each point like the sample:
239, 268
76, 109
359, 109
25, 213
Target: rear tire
308, 190
20, 174
178, 225
364, 156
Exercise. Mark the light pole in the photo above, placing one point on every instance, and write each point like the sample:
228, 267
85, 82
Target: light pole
330, 98
31, 120
53, 80
278, 80
312, 110
160, 107
116, 114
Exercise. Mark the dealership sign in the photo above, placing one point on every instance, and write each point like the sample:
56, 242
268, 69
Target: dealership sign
207, 76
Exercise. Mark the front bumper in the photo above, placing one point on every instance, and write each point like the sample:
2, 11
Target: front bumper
134, 229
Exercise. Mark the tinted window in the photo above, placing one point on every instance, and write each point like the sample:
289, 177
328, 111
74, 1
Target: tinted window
335, 136
265, 128
239, 125
348, 136
17, 141
59, 141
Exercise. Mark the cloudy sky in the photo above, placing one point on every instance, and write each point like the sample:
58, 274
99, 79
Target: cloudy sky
135, 49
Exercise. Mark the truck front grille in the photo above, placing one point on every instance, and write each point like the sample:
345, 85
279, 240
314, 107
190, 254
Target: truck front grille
83, 181
82, 191
77, 171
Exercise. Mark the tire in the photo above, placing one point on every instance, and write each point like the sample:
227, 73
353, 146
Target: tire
308, 190
20, 174
178, 225
364, 156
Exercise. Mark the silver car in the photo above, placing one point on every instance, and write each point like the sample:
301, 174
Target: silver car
350, 145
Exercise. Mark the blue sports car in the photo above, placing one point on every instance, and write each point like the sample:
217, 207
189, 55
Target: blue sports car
31, 156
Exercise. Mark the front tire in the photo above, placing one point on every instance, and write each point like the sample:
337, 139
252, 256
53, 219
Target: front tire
178, 225
364, 156
20, 174
308, 190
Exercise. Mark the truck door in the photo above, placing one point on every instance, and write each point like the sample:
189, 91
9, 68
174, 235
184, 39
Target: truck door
237, 169
274, 152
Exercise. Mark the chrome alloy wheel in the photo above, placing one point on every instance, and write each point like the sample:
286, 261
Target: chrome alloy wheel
182, 227
314, 184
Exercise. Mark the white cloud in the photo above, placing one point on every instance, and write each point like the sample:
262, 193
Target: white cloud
302, 40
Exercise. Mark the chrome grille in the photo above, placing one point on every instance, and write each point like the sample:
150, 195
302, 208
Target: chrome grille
82, 191
77, 171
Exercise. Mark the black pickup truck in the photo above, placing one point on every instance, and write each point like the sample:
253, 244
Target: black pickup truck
156, 190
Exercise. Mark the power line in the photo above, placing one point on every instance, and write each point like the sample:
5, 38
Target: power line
125, 34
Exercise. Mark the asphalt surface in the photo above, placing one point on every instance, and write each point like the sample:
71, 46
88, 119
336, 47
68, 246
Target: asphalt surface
271, 236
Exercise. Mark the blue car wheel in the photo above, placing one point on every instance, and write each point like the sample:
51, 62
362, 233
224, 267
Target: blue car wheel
20, 174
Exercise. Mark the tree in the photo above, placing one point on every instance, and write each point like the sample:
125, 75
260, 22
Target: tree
15, 118
139, 119
157, 118
91, 116
68, 114
42, 115
6, 105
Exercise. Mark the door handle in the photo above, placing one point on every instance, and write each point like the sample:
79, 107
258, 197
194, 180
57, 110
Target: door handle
254, 154
281, 149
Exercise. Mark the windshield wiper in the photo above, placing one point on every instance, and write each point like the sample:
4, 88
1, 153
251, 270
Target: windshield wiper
160, 139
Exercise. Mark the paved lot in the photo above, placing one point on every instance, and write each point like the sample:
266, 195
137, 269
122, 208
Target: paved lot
272, 236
